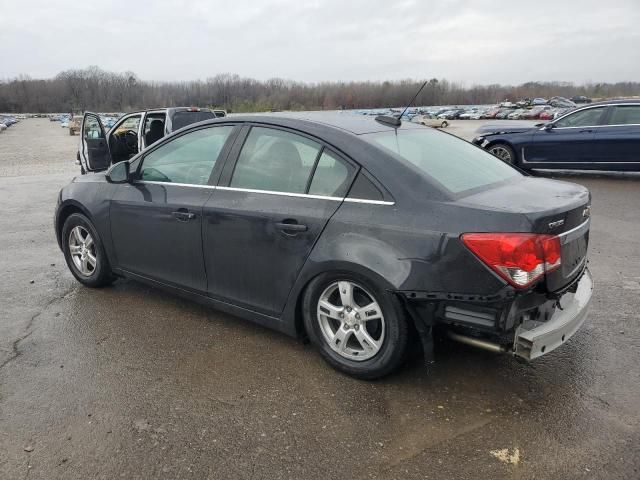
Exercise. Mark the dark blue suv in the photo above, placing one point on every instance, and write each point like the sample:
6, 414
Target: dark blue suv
600, 136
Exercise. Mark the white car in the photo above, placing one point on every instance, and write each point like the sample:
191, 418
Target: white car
2, 127
430, 121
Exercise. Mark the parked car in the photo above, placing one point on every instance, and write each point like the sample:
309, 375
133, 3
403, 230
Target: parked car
315, 226
135, 131
431, 121
580, 99
539, 101
535, 112
561, 102
451, 114
517, 114
491, 113
600, 136
504, 113
547, 114
3, 127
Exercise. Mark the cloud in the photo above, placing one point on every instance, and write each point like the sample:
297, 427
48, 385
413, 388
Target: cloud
469, 41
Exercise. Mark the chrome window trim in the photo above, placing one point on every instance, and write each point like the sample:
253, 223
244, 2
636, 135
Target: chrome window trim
605, 105
598, 126
175, 184
268, 192
370, 202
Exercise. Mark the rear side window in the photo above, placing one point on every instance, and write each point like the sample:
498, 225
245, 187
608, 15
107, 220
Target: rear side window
453, 163
582, 118
331, 177
189, 158
625, 115
182, 119
275, 160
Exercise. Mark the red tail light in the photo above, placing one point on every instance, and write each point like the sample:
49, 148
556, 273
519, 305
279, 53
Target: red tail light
519, 258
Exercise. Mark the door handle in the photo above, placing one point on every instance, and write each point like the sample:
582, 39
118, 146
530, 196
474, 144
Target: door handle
291, 226
184, 215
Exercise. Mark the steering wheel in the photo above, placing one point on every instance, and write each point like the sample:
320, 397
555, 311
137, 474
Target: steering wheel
130, 138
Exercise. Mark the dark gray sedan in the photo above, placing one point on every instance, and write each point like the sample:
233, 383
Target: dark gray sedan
354, 232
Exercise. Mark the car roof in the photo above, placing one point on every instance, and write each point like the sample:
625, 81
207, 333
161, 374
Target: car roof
347, 121
619, 101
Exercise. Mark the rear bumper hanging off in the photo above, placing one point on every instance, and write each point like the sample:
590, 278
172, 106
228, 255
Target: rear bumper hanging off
534, 339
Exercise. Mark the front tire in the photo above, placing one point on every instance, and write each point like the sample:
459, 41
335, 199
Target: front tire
504, 152
359, 328
444, 124
84, 252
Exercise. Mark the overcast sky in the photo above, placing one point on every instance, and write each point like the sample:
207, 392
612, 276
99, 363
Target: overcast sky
473, 41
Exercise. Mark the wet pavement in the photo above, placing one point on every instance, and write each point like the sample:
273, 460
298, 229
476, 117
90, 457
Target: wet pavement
129, 382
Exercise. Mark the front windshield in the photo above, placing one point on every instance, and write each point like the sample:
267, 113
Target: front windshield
453, 163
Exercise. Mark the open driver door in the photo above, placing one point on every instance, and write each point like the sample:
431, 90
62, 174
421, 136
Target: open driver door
94, 154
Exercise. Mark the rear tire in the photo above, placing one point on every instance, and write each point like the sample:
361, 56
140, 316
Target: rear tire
365, 348
504, 152
444, 124
84, 252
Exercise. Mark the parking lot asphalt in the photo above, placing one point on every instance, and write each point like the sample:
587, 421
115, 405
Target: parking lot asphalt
128, 382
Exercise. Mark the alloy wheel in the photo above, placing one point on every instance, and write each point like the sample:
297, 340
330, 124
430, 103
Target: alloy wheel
351, 320
83, 251
501, 152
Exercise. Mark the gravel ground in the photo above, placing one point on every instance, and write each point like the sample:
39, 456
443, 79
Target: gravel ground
128, 382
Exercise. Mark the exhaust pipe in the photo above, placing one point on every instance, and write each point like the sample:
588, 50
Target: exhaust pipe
477, 342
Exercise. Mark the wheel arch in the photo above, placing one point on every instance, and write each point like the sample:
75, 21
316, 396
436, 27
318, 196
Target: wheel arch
65, 210
293, 315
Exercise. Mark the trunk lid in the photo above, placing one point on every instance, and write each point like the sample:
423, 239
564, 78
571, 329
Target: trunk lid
551, 207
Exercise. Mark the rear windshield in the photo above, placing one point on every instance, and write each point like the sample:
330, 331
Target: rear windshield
182, 119
454, 163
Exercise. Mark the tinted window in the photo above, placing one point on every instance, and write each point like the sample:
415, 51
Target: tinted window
455, 164
275, 160
331, 177
182, 119
189, 158
582, 118
363, 188
625, 115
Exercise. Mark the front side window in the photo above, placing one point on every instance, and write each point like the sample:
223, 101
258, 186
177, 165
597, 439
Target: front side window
189, 158
625, 115
582, 118
453, 163
276, 161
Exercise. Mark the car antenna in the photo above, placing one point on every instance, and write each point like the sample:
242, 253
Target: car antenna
395, 121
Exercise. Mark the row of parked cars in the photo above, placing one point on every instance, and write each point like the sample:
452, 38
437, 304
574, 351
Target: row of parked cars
527, 109
6, 121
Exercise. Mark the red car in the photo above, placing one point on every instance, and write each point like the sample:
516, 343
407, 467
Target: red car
546, 115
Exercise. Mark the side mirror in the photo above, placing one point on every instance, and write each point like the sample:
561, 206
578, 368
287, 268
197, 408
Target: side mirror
548, 126
119, 173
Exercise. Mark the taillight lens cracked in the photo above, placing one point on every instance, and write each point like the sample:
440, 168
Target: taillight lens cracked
519, 258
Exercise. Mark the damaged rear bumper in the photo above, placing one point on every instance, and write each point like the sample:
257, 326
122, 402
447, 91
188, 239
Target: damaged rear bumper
535, 338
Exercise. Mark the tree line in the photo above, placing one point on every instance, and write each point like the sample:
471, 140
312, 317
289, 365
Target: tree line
99, 90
